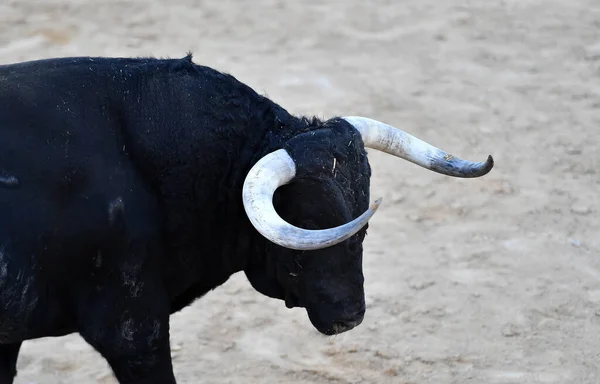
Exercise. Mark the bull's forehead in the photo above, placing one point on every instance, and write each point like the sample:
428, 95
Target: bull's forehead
328, 149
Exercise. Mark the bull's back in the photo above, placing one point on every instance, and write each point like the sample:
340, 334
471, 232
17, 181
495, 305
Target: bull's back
63, 150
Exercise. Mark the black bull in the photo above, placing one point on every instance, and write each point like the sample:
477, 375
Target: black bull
121, 186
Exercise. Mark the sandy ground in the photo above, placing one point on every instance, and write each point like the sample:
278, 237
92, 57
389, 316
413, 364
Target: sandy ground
493, 280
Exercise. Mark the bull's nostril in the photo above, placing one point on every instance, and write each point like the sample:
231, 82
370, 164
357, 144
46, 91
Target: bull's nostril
343, 326
344, 321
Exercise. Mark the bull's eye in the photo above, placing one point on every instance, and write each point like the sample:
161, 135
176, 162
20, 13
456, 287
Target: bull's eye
354, 246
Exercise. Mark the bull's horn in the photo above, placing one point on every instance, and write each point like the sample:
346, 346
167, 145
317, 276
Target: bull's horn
268, 174
383, 137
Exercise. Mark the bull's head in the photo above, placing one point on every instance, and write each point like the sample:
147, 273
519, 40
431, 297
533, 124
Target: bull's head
320, 183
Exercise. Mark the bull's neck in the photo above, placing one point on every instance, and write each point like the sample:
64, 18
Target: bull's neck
197, 166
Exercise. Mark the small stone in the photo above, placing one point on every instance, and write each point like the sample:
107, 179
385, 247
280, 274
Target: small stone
420, 285
415, 218
382, 355
229, 347
510, 330
573, 151
575, 242
580, 209
176, 347
507, 188
397, 198
394, 311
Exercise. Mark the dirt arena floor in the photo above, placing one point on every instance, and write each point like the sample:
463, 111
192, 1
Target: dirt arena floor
491, 280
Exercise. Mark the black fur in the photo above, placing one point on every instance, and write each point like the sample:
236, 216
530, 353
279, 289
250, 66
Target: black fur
129, 204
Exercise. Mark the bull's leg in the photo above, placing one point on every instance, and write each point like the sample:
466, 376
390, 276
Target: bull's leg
124, 314
131, 334
8, 362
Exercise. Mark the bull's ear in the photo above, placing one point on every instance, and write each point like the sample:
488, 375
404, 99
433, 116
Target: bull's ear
261, 282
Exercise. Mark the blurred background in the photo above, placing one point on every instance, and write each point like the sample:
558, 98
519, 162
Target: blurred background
491, 280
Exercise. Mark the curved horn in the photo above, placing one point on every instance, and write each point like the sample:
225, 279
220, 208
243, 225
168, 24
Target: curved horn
383, 137
268, 174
